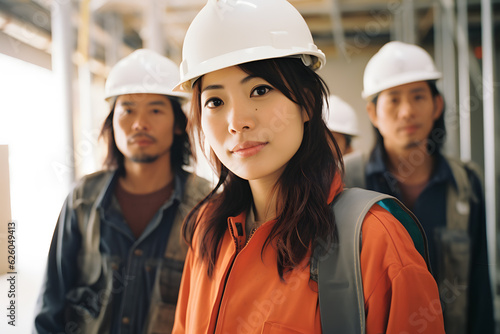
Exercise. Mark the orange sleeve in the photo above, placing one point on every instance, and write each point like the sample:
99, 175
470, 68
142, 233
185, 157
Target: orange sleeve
401, 296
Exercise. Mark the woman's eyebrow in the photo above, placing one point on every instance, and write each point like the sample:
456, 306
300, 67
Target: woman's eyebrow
244, 80
210, 87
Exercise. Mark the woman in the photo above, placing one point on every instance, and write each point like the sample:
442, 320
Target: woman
258, 103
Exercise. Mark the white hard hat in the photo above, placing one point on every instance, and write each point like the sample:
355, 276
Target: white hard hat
341, 117
143, 71
231, 32
395, 64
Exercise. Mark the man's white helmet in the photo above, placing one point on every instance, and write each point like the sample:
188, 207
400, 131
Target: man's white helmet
341, 117
232, 32
143, 71
395, 64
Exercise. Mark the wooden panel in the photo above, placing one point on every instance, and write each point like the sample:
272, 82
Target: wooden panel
5, 211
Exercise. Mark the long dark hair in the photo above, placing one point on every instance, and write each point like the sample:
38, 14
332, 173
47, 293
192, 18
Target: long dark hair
437, 135
303, 214
180, 152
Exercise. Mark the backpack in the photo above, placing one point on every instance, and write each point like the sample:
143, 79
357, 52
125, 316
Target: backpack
338, 270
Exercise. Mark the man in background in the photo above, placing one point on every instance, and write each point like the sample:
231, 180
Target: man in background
406, 109
116, 256
342, 121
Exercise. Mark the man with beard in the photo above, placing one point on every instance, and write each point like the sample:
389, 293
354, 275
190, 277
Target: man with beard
446, 195
116, 256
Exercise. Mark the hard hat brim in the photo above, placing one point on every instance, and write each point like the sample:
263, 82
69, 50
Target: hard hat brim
403, 79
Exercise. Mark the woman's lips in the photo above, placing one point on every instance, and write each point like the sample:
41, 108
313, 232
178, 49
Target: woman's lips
247, 149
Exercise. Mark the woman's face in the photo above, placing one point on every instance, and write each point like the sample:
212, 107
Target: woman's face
252, 127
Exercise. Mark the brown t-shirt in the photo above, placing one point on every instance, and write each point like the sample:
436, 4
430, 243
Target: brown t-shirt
139, 209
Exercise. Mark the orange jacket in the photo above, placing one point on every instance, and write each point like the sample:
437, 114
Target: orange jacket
245, 294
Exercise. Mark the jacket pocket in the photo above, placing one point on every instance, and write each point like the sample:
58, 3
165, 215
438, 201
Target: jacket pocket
163, 316
453, 252
169, 280
276, 328
165, 294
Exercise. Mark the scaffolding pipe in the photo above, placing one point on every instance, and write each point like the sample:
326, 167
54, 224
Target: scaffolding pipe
449, 78
114, 26
337, 29
489, 134
397, 26
464, 81
438, 40
409, 21
153, 37
62, 67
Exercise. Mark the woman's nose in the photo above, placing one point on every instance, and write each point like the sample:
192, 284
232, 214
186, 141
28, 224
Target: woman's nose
241, 118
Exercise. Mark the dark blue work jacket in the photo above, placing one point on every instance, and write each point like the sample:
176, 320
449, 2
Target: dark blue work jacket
430, 209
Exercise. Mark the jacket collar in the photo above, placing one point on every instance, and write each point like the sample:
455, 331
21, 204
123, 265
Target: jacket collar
105, 198
335, 188
376, 165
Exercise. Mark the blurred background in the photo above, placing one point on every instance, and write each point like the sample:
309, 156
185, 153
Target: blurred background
55, 56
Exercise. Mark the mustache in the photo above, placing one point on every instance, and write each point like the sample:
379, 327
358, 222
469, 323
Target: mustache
140, 135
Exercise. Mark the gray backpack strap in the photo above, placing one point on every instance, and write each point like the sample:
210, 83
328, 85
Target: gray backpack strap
354, 170
338, 270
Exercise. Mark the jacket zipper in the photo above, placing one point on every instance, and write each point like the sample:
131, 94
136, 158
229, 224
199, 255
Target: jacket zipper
226, 279
251, 235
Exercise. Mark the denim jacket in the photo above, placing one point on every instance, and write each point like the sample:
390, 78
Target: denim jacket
100, 278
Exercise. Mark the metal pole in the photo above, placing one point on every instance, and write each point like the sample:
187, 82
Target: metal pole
397, 27
114, 27
409, 21
489, 133
62, 67
463, 80
337, 29
84, 148
449, 78
154, 27
438, 39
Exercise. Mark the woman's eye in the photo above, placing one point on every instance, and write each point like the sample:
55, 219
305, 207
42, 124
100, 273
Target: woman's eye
261, 90
213, 103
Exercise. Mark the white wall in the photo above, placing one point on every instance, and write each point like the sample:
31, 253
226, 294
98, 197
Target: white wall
31, 126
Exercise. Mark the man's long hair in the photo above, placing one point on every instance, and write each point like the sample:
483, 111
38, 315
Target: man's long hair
180, 151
